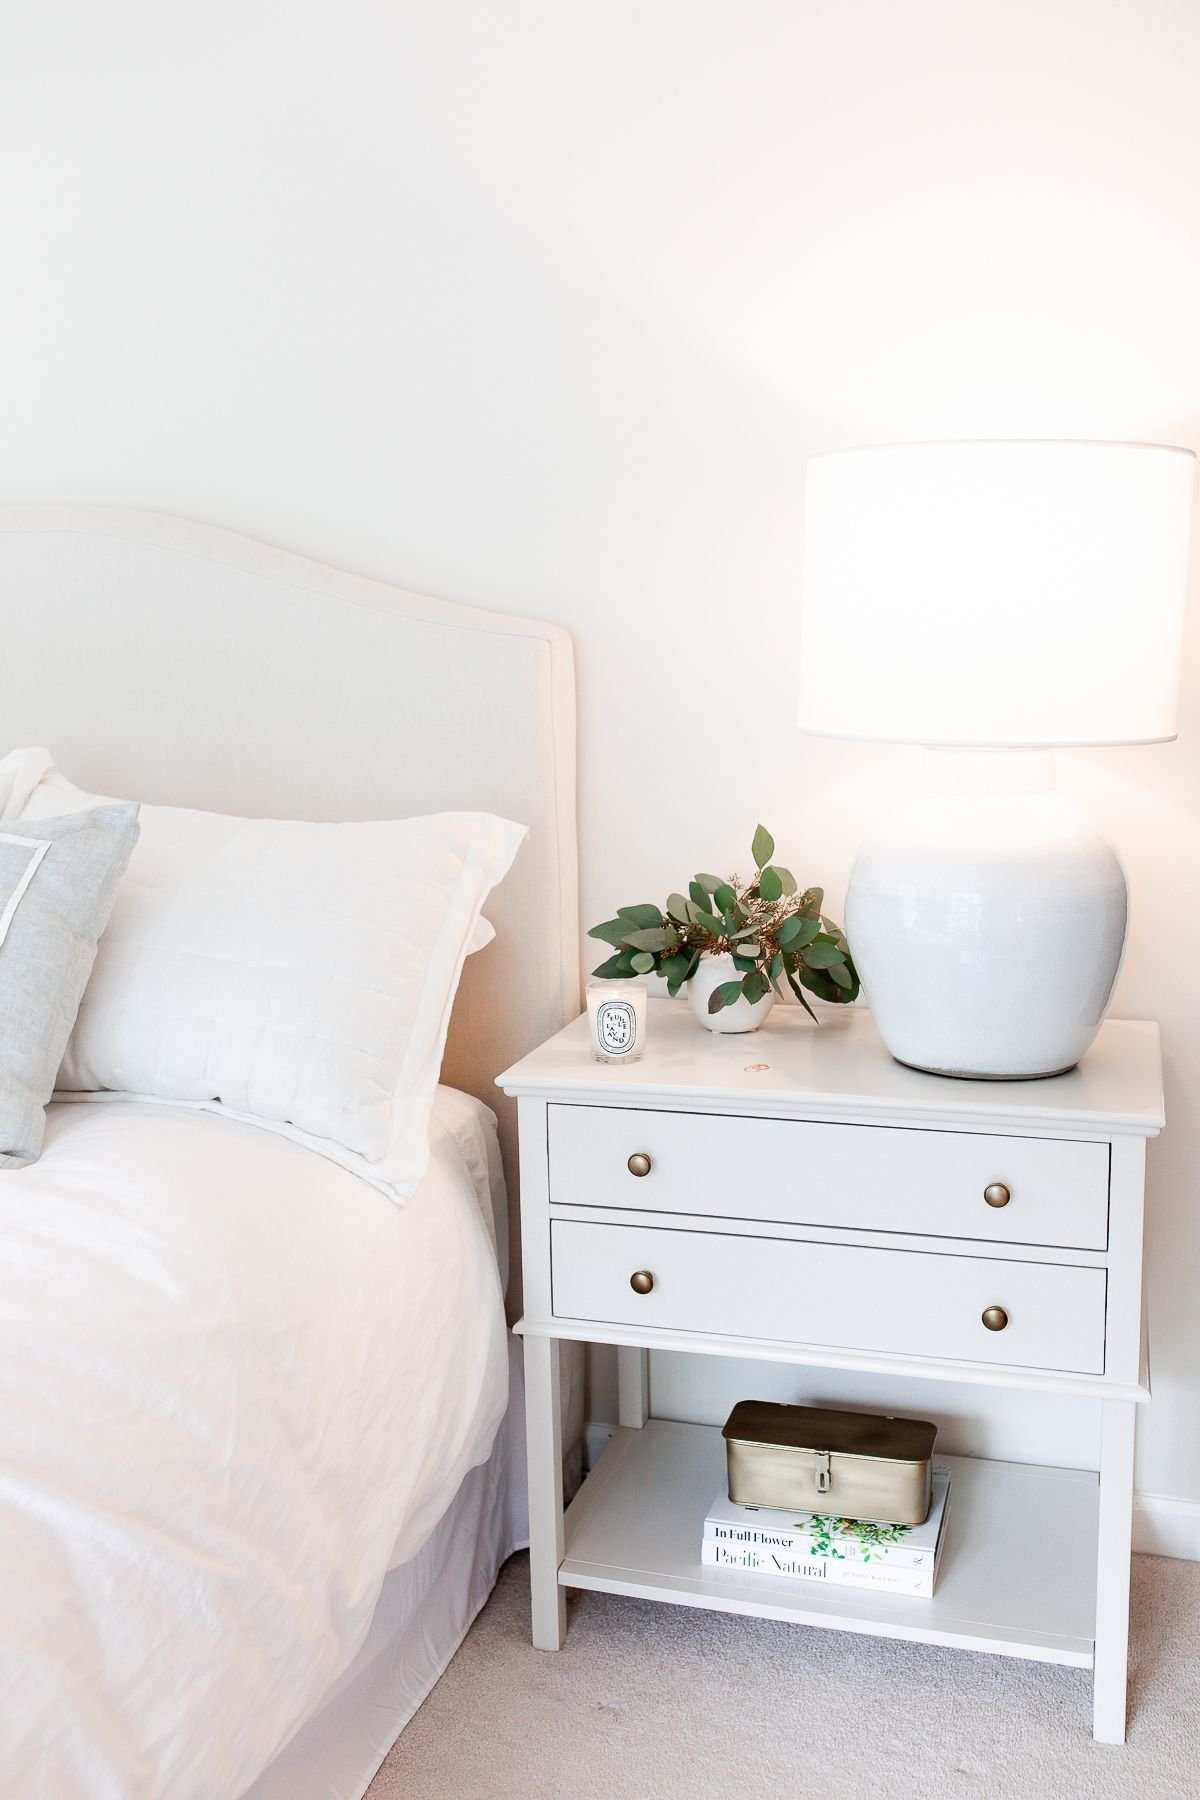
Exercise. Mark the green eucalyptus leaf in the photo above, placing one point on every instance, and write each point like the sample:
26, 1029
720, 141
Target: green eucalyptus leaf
840, 973
753, 987
612, 931
799, 993
699, 897
775, 966
743, 963
770, 886
817, 982
822, 983
710, 883
753, 951
725, 995
640, 915
822, 954
677, 907
787, 879
725, 897
675, 967
708, 923
796, 932
617, 968
763, 848
657, 938
643, 962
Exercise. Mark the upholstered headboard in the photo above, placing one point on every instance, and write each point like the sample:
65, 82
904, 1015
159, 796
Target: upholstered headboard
168, 661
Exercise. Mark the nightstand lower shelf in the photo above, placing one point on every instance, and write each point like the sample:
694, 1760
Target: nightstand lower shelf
1018, 1573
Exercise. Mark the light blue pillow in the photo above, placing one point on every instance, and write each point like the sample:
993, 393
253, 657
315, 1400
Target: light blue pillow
58, 879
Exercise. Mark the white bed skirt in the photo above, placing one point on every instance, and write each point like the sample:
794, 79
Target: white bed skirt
424, 1612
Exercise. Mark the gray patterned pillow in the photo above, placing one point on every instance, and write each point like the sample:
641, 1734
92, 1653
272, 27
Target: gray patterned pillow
58, 878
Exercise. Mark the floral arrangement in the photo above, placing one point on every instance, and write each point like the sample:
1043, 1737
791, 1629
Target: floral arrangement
773, 931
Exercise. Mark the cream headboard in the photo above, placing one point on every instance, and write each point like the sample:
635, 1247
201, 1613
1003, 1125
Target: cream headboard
168, 661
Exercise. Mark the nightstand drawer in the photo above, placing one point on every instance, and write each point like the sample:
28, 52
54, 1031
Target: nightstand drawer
858, 1177
909, 1303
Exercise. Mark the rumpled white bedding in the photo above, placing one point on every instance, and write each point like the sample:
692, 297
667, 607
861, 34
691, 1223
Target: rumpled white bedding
236, 1385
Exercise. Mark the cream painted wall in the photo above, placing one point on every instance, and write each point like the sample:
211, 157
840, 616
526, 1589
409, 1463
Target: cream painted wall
544, 305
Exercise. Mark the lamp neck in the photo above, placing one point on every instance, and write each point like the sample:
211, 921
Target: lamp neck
987, 771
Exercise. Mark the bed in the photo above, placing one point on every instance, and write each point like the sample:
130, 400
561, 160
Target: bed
224, 1307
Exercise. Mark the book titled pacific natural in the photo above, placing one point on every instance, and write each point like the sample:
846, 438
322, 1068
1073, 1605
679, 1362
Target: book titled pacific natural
900, 1559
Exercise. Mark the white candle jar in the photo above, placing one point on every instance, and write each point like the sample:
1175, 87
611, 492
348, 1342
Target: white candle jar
616, 1013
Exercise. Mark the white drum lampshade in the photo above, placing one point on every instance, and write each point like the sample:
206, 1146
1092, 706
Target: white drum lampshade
1011, 596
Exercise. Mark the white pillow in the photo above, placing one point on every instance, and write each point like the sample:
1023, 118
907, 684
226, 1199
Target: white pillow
22, 770
298, 975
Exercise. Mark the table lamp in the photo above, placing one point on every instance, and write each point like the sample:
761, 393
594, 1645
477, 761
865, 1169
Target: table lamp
992, 601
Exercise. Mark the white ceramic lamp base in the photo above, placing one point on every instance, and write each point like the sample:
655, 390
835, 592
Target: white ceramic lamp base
987, 919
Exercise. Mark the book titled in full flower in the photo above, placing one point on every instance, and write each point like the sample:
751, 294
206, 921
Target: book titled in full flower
823, 1547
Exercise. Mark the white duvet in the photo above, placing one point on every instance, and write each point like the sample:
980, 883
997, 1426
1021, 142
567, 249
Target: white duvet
237, 1384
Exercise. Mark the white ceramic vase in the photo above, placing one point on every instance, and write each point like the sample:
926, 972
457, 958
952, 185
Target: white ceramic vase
741, 1016
987, 919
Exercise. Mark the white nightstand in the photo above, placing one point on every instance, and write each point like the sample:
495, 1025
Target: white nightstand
796, 1196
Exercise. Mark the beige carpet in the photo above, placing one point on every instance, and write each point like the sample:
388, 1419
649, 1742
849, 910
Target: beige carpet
651, 1702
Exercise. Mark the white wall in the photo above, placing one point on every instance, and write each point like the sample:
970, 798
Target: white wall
543, 306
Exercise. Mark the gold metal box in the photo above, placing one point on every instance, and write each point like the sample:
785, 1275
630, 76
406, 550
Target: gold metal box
811, 1459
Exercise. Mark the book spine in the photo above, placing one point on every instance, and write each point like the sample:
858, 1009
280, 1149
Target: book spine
919, 1582
752, 1537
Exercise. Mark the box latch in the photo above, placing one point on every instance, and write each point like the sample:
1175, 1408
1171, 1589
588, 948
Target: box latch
823, 1476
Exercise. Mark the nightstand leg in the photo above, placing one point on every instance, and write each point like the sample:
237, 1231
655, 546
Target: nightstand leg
543, 1429
633, 1386
1118, 1418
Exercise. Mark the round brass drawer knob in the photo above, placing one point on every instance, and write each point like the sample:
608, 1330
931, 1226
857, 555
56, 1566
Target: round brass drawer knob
641, 1281
995, 1318
996, 1194
639, 1163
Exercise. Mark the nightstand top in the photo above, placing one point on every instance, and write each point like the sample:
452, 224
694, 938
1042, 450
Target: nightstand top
839, 1068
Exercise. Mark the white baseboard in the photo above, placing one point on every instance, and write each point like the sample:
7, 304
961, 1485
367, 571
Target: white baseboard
1161, 1526
1166, 1527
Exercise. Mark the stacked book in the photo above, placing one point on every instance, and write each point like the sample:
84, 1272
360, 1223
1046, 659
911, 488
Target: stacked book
899, 1559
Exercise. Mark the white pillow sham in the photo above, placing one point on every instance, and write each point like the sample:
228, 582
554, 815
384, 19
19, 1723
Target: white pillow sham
300, 975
